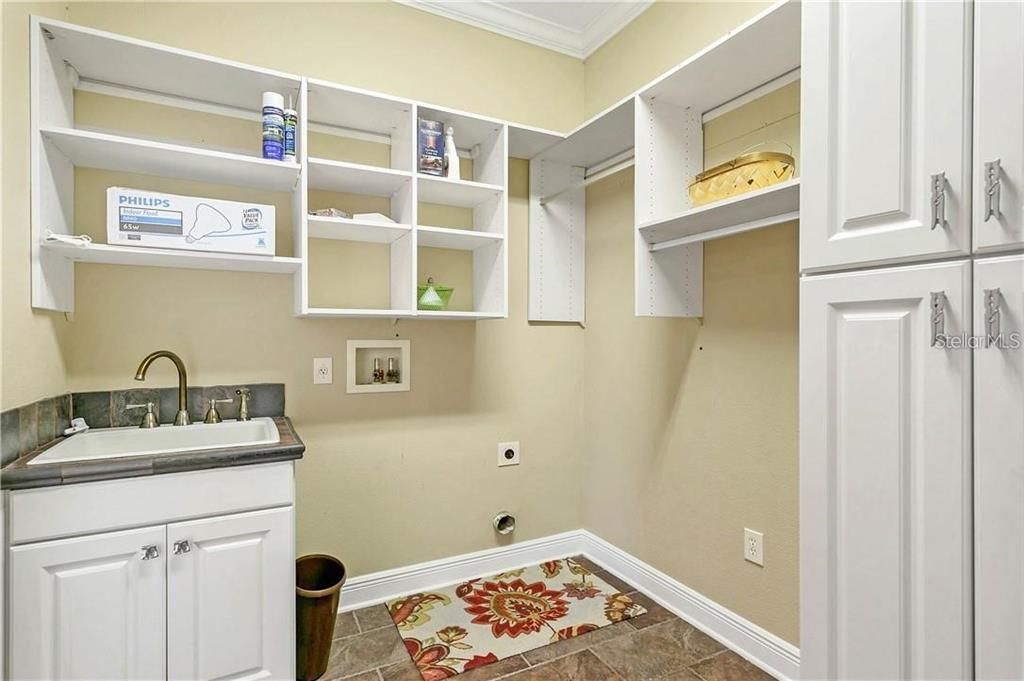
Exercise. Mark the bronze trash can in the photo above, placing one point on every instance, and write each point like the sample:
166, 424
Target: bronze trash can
318, 580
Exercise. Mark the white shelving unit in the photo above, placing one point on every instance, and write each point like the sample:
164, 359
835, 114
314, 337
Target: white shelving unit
66, 58
658, 130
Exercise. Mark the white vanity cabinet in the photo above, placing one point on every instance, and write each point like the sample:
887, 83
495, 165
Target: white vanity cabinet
885, 461
885, 111
998, 125
90, 607
200, 587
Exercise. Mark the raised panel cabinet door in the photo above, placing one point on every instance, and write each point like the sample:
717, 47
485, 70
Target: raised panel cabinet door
231, 597
89, 608
885, 456
999, 468
885, 113
998, 125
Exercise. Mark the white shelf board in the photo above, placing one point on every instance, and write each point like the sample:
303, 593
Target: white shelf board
356, 312
91, 149
470, 129
606, 135
458, 239
355, 178
760, 50
753, 210
464, 193
120, 60
166, 257
525, 141
343, 229
336, 105
458, 314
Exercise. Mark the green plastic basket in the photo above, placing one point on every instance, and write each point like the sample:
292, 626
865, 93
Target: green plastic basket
443, 292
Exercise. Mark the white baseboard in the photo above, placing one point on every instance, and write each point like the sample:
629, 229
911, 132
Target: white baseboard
769, 652
779, 658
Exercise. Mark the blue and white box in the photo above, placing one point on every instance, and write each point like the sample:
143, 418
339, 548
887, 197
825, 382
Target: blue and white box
191, 223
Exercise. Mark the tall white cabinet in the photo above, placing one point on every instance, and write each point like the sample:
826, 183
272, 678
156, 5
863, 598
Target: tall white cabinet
885, 427
999, 468
886, 104
912, 370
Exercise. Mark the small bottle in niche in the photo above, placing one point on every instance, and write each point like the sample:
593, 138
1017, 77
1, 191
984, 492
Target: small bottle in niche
378, 371
394, 375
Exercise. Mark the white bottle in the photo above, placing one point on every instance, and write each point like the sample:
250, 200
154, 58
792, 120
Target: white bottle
451, 154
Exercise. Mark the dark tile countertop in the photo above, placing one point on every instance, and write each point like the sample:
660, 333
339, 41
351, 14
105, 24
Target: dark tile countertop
19, 474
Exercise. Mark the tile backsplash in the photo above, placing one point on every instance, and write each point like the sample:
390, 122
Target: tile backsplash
24, 428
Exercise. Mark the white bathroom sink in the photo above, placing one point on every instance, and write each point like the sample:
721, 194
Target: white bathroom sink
109, 443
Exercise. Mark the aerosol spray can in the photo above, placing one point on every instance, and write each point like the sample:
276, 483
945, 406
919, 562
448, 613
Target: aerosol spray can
291, 120
273, 126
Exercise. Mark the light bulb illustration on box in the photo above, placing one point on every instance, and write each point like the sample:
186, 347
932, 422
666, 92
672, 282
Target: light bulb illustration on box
208, 221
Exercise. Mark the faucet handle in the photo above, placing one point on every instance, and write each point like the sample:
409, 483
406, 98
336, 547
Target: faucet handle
149, 419
213, 416
243, 403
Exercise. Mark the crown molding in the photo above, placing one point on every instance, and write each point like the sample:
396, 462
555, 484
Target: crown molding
518, 25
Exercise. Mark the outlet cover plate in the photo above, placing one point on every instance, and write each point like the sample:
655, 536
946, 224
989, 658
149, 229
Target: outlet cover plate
323, 370
508, 454
753, 546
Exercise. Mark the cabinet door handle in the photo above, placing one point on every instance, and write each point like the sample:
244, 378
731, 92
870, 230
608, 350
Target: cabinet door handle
938, 202
938, 316
993, 299
181, 546
150, 551
993, 177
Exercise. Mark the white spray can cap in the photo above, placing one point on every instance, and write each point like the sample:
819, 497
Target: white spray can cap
273, 99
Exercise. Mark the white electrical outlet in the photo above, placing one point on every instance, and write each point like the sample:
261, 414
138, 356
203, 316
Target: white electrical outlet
753, 546
508, 453
323, 370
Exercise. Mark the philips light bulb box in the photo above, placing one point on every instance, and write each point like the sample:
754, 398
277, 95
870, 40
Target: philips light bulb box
191, 223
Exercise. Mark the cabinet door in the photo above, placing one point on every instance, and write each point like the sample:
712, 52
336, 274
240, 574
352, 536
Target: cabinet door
999, 469
231, 597
885, 106
998, 124
89, 608
885, 427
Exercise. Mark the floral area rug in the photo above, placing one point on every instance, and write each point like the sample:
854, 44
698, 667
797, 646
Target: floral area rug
452, 630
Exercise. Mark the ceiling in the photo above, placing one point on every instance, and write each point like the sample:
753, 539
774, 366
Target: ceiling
576, 28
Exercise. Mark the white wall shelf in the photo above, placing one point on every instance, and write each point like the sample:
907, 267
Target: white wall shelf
463, 193
88, 149
458, 239
343, 229
165, 257
355, 178
753, 210
355, 312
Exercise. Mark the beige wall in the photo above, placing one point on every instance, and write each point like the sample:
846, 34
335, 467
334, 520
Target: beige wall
690, 431
628, 428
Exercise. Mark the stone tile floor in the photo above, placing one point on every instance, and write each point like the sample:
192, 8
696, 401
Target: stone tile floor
657, 646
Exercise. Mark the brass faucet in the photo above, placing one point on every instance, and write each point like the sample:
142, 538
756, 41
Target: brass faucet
182, 418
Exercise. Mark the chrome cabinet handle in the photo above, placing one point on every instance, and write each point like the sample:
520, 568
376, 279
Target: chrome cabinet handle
993, 300
993, 177
181, 546
938, 317
150, 551
938, 200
